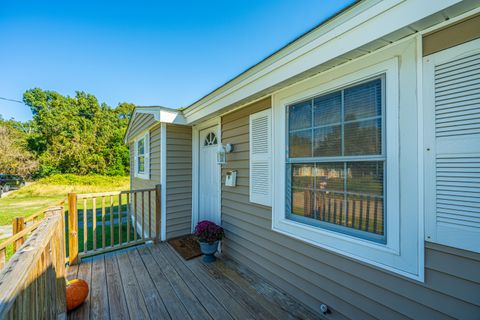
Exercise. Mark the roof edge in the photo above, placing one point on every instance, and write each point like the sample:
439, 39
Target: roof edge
160, 114
273, 55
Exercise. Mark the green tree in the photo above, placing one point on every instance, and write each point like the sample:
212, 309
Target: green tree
77, 134
15, 158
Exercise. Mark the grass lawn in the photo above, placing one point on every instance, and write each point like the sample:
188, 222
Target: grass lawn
98, 231
11, 207
50, 190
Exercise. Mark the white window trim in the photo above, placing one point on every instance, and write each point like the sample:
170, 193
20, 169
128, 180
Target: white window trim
388, 256
146, 174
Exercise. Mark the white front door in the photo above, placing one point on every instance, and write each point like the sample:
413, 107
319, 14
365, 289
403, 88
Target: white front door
209, 176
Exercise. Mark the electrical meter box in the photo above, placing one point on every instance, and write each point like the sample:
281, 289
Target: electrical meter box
231, 178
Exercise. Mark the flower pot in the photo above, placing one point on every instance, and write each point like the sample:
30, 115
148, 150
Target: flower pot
209, 249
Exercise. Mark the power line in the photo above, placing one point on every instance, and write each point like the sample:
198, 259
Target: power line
12, 100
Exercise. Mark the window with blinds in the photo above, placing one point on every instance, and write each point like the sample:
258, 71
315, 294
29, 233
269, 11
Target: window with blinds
336, 162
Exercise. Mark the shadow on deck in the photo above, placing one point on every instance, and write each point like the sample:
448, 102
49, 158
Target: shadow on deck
154, 282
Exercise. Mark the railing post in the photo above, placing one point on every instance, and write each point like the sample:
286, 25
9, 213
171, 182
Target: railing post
3, 258
158, 211
62, 226
18, 225
72, 229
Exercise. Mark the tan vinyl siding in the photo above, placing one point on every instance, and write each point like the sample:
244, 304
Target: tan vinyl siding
140, 123
458, 33
138, 183
179, 180
353, 290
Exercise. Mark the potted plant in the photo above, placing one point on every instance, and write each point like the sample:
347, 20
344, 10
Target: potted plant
208, 234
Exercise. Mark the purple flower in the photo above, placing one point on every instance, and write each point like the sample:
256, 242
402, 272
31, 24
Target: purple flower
208, 231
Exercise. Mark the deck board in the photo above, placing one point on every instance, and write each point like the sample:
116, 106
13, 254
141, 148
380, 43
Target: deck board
174, 305
116, 296
248, 302
194, 307
154, 282
137, 308
209, 302
280, 304
236, 310
99, 299
151, 296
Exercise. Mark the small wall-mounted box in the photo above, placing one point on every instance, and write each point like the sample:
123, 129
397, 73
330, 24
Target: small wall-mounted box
231, 178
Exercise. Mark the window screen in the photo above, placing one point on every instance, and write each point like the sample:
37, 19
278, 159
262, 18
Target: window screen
335, 160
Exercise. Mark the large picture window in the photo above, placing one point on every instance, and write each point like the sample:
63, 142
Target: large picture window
336, 161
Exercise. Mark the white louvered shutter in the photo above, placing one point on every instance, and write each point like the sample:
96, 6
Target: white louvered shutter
261, 157
452, 136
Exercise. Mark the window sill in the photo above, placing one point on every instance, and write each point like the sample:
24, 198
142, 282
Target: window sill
379, 255
144, 176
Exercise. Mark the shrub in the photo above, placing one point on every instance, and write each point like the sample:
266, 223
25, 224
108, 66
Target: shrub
208, 231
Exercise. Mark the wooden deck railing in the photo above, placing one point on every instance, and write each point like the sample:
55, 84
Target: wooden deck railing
102, 222
32, 283
22, 227
20, 223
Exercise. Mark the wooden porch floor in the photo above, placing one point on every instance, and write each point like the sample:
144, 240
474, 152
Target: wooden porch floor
154, 282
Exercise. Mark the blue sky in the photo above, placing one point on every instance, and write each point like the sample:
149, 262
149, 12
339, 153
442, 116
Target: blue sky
144, 52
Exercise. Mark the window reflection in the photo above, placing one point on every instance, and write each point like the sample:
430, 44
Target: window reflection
343, 183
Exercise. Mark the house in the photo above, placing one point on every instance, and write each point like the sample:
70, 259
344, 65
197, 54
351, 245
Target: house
353, 162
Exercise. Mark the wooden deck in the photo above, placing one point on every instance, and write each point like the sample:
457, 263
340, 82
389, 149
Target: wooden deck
154, 282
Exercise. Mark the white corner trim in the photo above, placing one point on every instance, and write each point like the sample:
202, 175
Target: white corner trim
139, 227
219, 135
421, 163
163, 181
195, 175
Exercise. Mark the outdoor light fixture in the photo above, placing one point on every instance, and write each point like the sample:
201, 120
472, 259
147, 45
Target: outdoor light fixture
222, 153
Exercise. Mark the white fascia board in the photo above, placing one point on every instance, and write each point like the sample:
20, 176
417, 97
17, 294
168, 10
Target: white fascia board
160, 114
373, 23
171, 116
163, 114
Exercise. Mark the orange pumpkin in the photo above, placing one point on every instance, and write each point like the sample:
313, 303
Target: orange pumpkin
77, 292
